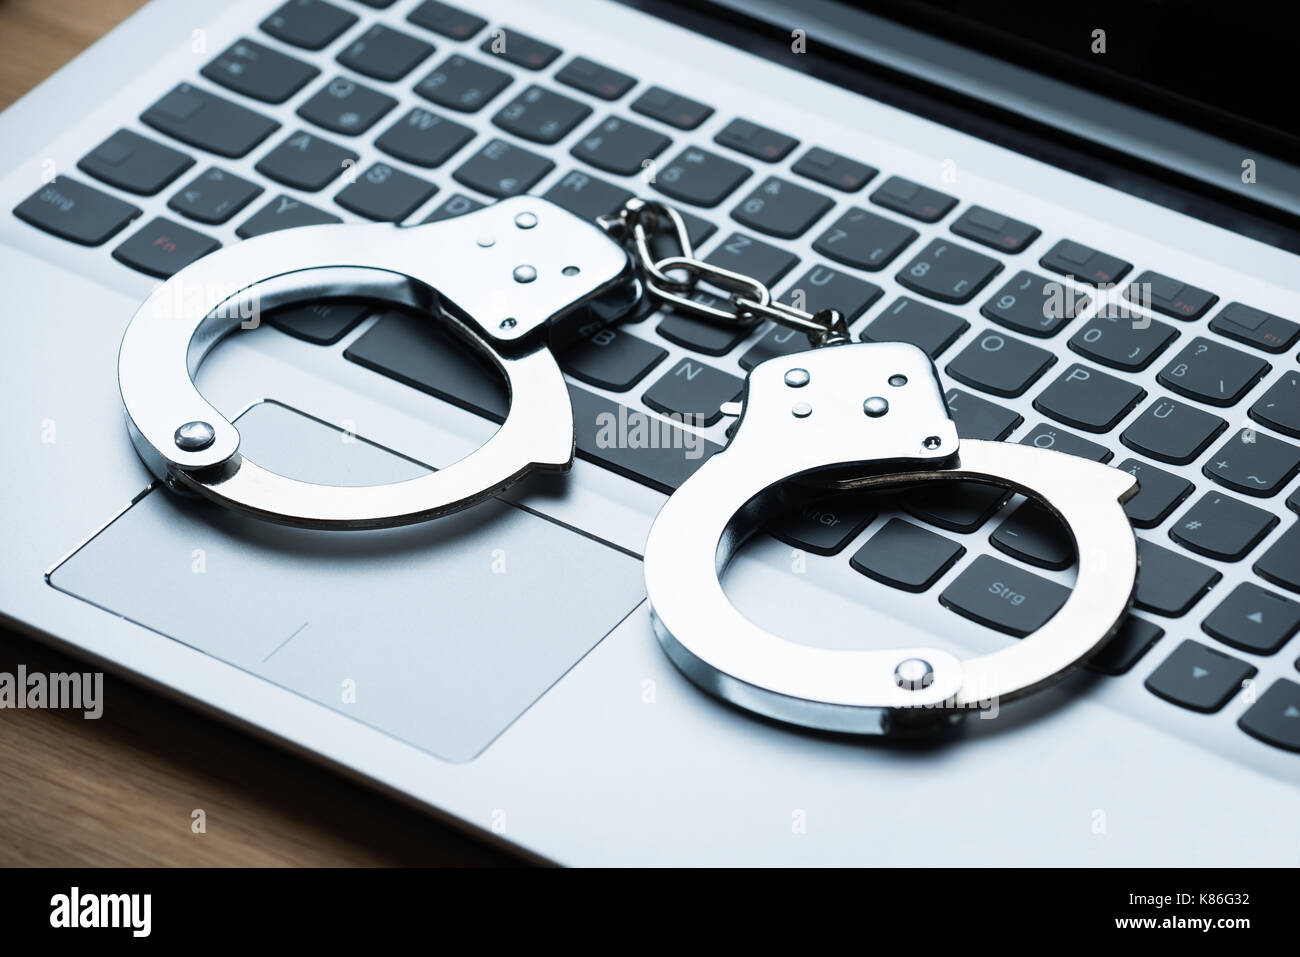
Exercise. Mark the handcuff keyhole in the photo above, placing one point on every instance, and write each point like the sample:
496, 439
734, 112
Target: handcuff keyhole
932, 442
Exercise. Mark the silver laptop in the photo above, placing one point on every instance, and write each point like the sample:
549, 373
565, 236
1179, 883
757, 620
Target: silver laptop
498, 667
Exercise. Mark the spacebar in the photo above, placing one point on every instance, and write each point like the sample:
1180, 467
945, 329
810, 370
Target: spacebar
639, 445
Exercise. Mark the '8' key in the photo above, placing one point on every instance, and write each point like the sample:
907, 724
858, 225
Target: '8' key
948, 272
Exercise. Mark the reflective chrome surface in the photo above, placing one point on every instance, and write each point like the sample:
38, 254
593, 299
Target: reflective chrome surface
805, 425
503, 278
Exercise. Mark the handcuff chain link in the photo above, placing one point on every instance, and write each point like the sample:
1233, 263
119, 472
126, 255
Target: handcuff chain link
637, 221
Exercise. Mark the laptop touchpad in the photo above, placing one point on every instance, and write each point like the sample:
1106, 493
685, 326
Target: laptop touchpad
439, 634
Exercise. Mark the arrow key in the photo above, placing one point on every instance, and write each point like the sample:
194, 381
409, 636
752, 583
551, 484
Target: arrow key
1254, 619
1275, 717
1199, 678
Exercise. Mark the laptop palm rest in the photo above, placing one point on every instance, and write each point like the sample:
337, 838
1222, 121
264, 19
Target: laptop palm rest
439, 634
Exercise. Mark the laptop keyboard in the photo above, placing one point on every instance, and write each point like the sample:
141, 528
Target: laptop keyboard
1049, 333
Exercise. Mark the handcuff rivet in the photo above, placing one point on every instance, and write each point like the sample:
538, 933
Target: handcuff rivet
570, 270
797, 378
525, 274
876, 406
898, 379
508, 323
526, 220
195, 436
801, 410
486, 240
913, 674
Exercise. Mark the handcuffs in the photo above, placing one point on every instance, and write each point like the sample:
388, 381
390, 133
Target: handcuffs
520, 280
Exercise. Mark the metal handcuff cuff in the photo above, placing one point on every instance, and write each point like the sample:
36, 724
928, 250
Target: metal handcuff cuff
521, 279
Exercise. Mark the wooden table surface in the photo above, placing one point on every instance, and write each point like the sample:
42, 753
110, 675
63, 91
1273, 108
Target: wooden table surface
121, 790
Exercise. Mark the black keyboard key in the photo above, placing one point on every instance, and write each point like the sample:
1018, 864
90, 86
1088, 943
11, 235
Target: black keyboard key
321, 323
699, 335
700, 177
994, 230
1279, 406
694, 391
1034, 535
1159, 493
346, 106
457, 204
913, 199
948, 272
757, 141
587, 196
664, 244
908, 320
214, 196
620, 146
385, 193
1133, 640
1172, 297
1213, 373
1003, 597
1255, 327
447, 20
822, 287
750, 257
978, 418
1044, 436
260, 72
834, 170
775, 341
305, 161
541, 115
956, 506
377, 4
1084, 263
520, 49
1275, 717
75, 212
999, 364
1123, 340
310, 24
611, 359
502, 170
209, 122
162, 248
459, 83
906, 556
1221, 527
1036, 306
1254, 619
1089, 399
627, 441
1172, 432
424, 138
1199, 678
595, 78
1254, 463
780, 208
864, 240
134, 163
283, 212
825, 526
384, 53
1169, 583
671, 108
1280, 563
